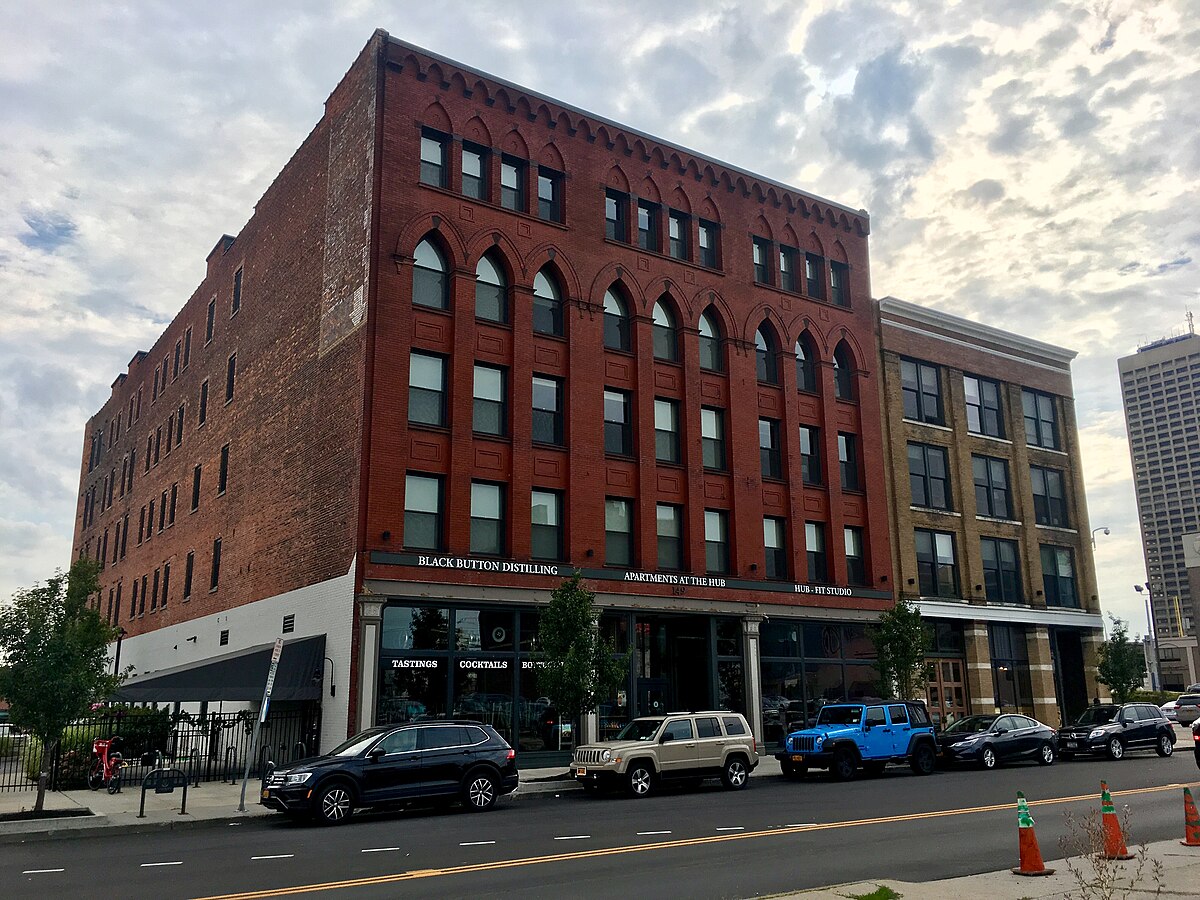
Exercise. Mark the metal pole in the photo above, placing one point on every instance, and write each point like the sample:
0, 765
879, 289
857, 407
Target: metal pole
1154, 636
249, 759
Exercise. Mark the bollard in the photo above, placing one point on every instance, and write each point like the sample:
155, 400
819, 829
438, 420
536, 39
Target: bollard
231, 763
196, 766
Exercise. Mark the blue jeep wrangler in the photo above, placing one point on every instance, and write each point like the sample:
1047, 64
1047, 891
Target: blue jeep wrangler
847, 736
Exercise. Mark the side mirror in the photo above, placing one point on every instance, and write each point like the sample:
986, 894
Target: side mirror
867, 726
669, 736
376, 754
1001, 731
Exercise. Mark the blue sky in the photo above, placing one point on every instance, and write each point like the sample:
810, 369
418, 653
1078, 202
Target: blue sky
1033, 165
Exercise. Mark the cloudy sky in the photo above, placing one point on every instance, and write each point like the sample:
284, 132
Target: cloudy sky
1030, 164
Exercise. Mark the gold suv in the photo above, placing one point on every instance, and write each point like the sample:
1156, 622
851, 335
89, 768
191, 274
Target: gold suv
684, 747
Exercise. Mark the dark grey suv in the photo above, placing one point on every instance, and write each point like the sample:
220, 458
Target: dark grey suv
394, 764
1115, 730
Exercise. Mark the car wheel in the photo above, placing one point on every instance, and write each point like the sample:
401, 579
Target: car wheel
874, 768
1165, 747
479, 791
1115, 749
640, 780
1046, 754
987, 758
735, 773
923, 760
844, 765
335, 804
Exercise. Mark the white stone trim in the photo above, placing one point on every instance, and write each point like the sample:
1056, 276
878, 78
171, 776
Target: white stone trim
933, 425
1076, 618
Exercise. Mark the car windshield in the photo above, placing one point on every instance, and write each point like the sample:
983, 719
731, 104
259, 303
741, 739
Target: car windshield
639, 730
358, 743
1097, 715
840, 715
971, 724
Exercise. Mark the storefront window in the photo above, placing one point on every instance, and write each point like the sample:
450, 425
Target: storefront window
536, 717
415, 628
729, 637
782, 699
857, 642
862, 682
780, 639
483, 630
823, 641
529, 629
823, 684
615, 628
483, 690
411, 689
731, 685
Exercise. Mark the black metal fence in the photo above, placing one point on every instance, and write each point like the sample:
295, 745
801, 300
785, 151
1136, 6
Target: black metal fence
213, 748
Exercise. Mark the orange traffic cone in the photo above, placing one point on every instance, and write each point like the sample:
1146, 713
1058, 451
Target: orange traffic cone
1031, 854
1114, 840
1191, 821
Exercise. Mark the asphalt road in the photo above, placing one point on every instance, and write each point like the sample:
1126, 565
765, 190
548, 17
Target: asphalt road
773, 836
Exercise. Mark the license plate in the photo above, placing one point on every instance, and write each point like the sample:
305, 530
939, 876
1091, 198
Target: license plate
797, 757
581, 771
1071, 745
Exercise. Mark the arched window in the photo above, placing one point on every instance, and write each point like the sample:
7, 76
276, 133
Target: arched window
616, 321
547, 304
491, 291
766, 351
431, 286
666, 346
806, 370
710, 344
843, 373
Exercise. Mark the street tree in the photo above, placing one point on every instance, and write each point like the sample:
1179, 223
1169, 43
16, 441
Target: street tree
578, 667
54, 658
900, 638
1122, 662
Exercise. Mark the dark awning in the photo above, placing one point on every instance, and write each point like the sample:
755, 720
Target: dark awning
235, 676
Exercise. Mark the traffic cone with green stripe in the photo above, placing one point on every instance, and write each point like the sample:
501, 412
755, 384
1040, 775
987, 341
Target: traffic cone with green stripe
1191, 821
1031, 854
1114, 840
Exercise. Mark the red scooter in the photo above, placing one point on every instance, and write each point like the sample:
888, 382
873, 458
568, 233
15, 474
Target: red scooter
106, 766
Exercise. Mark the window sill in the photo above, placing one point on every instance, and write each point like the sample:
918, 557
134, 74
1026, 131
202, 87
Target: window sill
856, 491
990, 437
668, 464
629, 353
547, 445
1062, 529
428, 426
769, 384
1062, 453
939, 599
710, 470
493, 323
998, 520
935, 511
932, 425
618, 457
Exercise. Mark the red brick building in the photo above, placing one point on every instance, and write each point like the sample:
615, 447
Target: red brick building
471, 340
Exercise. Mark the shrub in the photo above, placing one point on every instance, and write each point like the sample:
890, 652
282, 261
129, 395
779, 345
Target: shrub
1158, 698
7, 745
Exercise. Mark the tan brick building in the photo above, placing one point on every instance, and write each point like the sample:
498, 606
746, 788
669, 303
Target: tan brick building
990, 528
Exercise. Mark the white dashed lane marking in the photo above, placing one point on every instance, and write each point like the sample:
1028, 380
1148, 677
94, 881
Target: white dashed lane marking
732, 828
801, 825
475, 843
380, 849
41, 871
645, 833
175, 862
573, 837
276, 856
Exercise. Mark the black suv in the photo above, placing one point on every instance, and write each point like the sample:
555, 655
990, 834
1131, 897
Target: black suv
394, 764
1113, 730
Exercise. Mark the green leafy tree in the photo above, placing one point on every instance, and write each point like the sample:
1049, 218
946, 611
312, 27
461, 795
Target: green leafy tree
1122, 662
54, 662
900, 639
579, 668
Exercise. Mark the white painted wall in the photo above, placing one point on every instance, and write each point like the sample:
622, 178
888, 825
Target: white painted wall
324, 608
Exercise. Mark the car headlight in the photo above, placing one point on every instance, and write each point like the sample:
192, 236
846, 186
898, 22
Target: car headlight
819, 741
971, 740
298, 778
1096, 733
606, 756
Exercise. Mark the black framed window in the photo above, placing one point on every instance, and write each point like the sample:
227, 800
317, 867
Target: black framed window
679, 226
547, 304
618, 422
775, 547
814, 277
616, 322
1049, 497
550, 189
222, 471
848, 461
839, 283
769, 456
188, 568
856, 566
992, 492
806, 365
666, 430
843, 374
491, 290
1041, 419
195, 488
230, 381
434, 170
431, 284
814, 550
616, 225
716, 542
712, 437
709, 244
487, 518
670, 536
202, 407
762, 260
490, 400
1001, 571
787, 267
214, 577
618, 532
423, 512
210, 321
920, 385
666, 337
512, 183
937, 564
426, 389
546, 524
984, 415
647, 219
547, 410
929, 476
810, 454
766, 355
474, 171
710, 343
1058, 576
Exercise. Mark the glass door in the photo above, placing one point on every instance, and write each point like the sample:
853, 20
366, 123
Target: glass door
947, 690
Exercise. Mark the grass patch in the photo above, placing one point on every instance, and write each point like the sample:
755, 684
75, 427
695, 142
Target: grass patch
883, 892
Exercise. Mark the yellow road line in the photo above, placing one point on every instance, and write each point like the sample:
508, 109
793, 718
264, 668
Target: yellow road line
659, 845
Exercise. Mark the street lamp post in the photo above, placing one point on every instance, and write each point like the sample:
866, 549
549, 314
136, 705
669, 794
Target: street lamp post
1140, 588
1103, 528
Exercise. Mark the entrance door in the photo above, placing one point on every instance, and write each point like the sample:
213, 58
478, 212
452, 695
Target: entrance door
653, 696
1068, 673
947, 688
